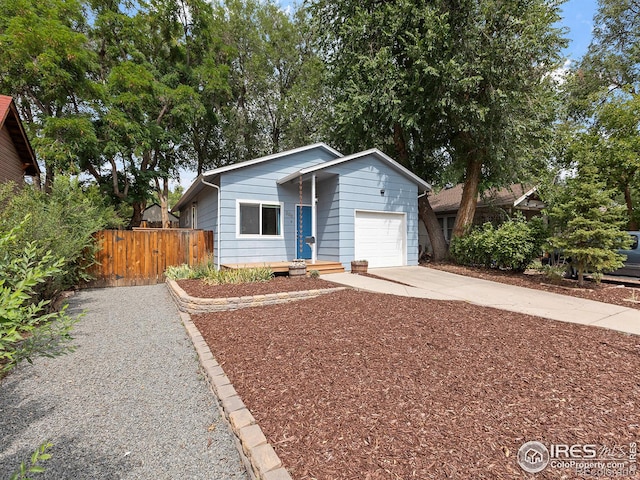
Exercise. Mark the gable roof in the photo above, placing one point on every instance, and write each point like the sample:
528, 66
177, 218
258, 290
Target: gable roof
197, 186
374, 152
153, 213
10, 119
247, 163
448, 199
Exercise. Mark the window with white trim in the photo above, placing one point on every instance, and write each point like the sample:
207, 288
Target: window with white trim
259, 219
194, 215
446, 224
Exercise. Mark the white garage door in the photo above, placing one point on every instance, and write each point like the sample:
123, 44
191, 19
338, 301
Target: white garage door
380, 238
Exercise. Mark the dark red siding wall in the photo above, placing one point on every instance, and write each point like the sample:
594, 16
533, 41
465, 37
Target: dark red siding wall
10, 163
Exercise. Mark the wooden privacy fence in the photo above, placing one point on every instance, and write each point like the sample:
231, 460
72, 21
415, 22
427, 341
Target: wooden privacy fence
140, 257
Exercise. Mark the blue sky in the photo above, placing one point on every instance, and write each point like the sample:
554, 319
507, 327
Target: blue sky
578, 17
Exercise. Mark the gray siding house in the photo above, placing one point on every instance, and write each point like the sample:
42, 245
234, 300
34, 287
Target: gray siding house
261, 210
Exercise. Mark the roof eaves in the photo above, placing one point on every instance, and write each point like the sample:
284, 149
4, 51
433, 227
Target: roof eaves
518, 201
7, 107
338, 161
273, 156
191, 191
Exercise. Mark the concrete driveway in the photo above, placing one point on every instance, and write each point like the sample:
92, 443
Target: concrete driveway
439, 285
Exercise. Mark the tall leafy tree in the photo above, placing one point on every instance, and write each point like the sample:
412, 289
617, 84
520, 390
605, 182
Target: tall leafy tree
276, 80
48, 65
616, 138
452, 87
152, 113
603, 98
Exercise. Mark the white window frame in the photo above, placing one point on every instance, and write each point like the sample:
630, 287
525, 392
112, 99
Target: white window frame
259, 203
446, 221
194, 215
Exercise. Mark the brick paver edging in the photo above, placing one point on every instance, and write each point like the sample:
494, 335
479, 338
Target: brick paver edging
259, 457
189, 304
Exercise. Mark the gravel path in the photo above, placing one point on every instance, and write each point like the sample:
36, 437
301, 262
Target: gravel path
128, 403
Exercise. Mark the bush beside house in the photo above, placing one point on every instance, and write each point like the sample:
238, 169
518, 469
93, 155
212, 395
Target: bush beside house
513, 245
46, 244
62, 223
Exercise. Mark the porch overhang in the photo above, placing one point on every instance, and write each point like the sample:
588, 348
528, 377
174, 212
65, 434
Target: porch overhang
306, 174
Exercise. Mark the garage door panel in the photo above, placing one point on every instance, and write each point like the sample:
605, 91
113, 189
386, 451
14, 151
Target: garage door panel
380, 238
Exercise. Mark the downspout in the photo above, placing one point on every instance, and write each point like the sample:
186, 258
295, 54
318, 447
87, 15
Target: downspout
314, 219
423, 194
218, 224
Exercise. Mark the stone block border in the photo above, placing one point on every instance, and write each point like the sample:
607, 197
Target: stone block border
189, 304
258, 456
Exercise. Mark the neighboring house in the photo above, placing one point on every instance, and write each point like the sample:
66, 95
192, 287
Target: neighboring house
366, 208
152, 216
493, 206
17, 159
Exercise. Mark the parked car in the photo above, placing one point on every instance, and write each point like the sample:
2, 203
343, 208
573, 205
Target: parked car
631, 266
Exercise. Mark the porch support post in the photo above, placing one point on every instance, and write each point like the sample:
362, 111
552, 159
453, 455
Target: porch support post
314, 230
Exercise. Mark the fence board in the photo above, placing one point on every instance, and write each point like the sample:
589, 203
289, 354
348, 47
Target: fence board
140, 257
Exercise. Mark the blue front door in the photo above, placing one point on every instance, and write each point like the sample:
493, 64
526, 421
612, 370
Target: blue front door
306, 232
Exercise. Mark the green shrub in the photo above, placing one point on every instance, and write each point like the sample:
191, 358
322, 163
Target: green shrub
240, 275
62, 223
314, 274
180, 272
184, 271
513, 245
26, 330
475, 247
204, 269
554, 273
211, 276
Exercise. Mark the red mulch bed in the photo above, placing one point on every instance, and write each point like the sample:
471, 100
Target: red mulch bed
356, 385
604, 292
197, 288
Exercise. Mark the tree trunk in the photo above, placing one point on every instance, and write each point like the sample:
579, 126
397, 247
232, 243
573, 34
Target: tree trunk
164, 203
402, 155
436, 235
136, 218
37, 182
48, 180
633, 225
469, 199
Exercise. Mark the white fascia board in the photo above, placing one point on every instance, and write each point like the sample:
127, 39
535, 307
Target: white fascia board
255, 161
186, 196
518, 201
196, 186
374, 151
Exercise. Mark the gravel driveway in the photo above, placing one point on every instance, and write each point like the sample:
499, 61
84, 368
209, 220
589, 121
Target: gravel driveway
128, 403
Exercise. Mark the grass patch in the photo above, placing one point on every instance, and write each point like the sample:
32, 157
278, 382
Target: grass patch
207, 272
240, 275
186, 272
